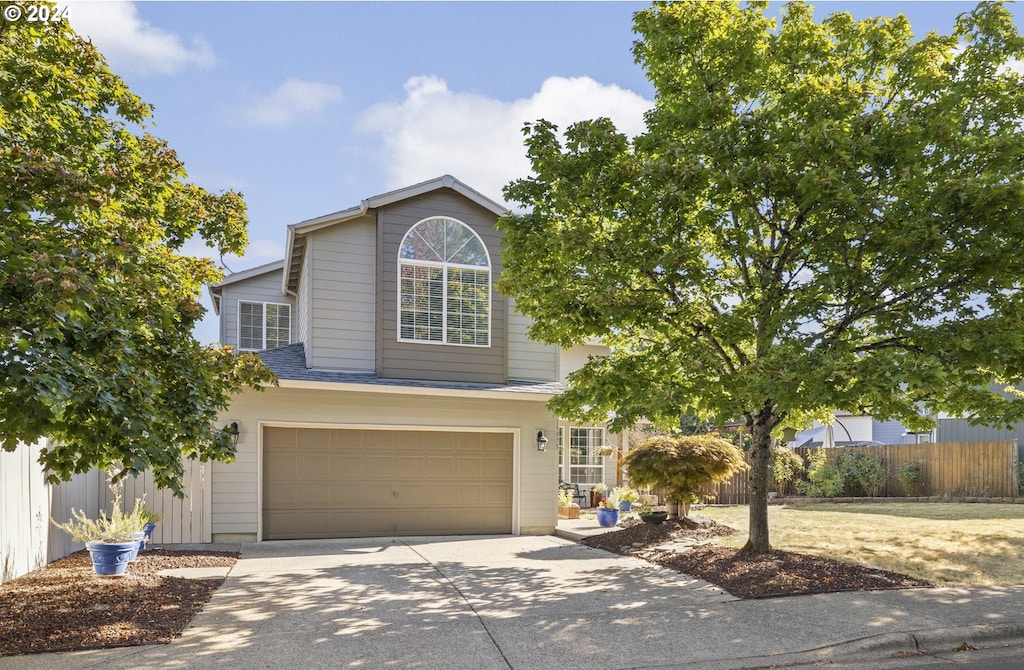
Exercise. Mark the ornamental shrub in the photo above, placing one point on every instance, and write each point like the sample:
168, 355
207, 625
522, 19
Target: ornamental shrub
686, 466
787, 467
862, 472
823, 477
909, 475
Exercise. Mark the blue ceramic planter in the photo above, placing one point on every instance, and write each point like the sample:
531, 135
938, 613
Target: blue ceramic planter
625, 506
110, 559
607, 517
140, 544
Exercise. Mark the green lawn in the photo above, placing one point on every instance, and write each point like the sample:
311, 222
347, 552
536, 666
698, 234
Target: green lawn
945, 543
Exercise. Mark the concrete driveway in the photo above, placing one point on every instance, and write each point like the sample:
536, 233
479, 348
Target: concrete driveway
475, 603
516, 602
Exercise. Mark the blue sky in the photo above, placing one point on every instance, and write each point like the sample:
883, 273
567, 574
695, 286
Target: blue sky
309, 107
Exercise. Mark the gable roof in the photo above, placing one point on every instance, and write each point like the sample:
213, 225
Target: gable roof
296, 241
215, 289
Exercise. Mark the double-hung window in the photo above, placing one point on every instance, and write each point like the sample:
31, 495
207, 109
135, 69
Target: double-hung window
586, 465
444, 285
263, 325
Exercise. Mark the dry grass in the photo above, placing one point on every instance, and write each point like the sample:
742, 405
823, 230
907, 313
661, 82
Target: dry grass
946, 544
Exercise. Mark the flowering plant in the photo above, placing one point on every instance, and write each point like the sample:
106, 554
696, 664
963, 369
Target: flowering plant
605, 504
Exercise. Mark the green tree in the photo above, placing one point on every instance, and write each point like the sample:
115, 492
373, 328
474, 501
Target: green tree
820, 216
686, 466
97, 303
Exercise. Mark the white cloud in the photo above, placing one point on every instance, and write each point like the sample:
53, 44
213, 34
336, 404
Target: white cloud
131, 44
283, 106
435, 131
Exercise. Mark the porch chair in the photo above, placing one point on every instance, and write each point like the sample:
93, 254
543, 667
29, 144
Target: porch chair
576, 495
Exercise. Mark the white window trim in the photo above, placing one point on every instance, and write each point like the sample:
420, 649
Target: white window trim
444, 289
263, 334
571, 469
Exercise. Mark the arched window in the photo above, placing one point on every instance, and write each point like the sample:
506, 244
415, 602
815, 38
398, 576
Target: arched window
444, 276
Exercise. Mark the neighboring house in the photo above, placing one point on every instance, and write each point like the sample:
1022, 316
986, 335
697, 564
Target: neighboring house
409, 398
857, 430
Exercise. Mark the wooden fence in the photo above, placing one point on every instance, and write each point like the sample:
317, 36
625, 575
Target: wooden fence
954, 469
28, 539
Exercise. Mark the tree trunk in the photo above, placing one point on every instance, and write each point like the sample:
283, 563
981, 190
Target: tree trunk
761, 424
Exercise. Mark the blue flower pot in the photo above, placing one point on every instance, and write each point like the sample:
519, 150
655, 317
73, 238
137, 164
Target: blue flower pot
607, 517
110, 559
140, 544
625, 506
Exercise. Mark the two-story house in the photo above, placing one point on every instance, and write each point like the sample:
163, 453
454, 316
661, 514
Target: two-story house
409, 401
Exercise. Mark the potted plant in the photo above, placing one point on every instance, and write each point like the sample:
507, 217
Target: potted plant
567, 509
597, 492
150, 520
625, 497
607, 514
112, 541
649, 516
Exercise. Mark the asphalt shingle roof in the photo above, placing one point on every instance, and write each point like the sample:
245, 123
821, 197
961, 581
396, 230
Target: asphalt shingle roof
290, 363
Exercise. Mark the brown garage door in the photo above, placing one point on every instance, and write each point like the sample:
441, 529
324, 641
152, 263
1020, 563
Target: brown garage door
320, 483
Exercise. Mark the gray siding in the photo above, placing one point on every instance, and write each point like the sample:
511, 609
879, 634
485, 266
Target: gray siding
890, 432
408, 360
343, 296
262, 288
527, 359
958, 430
303, 313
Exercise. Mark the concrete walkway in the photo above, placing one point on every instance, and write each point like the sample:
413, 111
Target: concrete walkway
531, 603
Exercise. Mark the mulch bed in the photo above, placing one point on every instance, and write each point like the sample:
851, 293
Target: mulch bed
65, 606
744, 575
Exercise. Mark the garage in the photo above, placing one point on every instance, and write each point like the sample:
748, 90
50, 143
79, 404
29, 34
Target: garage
366, 482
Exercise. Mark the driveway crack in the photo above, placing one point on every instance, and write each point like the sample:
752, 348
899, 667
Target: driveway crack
445, 578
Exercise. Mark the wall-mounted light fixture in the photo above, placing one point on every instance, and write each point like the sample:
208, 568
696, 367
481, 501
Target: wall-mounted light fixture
232, 429
542, 442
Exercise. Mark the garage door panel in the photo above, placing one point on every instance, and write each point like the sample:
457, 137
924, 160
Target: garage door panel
282, 438
345, 496
283, 493
497, 495
375, 523
313, 438
282, 464
378, 466
382, 495
410, 465
468, 466
427, 522
493, 443
374, 440
314, 466
424, 441
469, 494
440, 466
346, 465
313, 497
322, 483
494, 468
